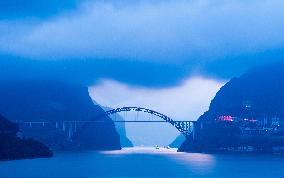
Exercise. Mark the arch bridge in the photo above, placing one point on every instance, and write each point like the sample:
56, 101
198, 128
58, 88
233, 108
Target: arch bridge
187, 128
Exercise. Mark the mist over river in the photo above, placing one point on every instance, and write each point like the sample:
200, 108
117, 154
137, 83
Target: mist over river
146, 163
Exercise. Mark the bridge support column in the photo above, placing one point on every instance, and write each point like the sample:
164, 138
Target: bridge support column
63, 127
75, 126
193, 130
70, 133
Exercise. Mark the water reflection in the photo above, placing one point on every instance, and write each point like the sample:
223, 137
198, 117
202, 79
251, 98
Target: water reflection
198, 163
141, 150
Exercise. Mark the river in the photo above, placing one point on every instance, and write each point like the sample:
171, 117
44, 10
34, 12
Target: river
145, 163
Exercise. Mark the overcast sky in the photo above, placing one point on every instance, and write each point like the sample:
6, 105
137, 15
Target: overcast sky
215, 39
179, 52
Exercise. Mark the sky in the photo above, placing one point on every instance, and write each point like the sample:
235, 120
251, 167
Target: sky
178, 38
171, 55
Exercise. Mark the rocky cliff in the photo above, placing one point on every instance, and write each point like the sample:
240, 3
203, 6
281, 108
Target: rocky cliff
178, 141
254, 101
12, 146
120, 127
57, 101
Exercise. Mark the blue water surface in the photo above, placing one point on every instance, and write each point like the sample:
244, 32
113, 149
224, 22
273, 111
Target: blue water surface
146, 163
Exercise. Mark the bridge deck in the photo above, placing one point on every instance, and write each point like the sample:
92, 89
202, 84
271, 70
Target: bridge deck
150, 121
39, 122
185, 127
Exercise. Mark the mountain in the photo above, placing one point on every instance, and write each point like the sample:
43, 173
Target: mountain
13, 146
253, 102
120, 127
56, 101
178, 141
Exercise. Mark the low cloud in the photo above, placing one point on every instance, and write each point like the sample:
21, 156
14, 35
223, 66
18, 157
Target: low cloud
184, 102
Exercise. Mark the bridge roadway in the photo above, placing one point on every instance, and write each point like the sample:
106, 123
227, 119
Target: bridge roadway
71, 126
46, 122
185, 127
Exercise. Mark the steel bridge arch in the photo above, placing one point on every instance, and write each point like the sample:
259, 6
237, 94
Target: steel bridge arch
184, 127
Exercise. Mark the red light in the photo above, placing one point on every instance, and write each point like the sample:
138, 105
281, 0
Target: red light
226, 118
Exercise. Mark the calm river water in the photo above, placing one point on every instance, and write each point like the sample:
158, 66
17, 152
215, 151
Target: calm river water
146, 163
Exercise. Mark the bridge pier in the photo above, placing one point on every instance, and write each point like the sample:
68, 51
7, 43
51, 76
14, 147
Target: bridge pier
63, 127
70, 132
193, 130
